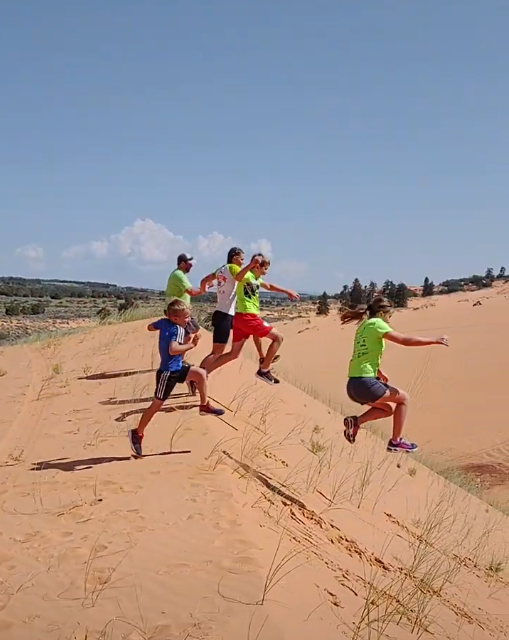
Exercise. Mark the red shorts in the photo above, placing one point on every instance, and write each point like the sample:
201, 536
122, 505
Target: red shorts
249, 324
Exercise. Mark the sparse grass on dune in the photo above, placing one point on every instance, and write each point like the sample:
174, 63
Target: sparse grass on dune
450, 473
421, 570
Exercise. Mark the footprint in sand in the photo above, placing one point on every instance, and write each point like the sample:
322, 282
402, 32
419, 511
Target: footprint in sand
240, 565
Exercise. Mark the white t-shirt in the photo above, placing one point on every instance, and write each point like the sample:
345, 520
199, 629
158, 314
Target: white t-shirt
227, 288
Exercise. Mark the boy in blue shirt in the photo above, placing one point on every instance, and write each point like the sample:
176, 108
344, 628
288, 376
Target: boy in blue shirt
174, 342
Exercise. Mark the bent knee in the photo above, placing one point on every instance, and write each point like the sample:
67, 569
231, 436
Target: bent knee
403, 397
276, 337
198, 373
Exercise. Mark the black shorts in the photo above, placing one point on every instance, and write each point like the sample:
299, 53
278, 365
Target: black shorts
365, 390
222, 323
166, 381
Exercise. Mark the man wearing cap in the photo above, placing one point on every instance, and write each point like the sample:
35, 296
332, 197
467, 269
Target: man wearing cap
179, 287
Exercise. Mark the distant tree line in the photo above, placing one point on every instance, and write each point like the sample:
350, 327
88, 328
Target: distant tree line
357, 294
59, 289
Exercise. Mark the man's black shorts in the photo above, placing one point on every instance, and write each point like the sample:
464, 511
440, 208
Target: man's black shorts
166, 381
222, 323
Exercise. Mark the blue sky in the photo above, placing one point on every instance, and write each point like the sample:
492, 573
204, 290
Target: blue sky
365, 139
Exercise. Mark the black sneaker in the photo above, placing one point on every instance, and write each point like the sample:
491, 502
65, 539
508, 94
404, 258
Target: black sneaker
275, 359
135, 440
267, 377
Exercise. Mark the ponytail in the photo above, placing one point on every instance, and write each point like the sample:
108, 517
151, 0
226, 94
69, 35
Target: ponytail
379, 304
358, 314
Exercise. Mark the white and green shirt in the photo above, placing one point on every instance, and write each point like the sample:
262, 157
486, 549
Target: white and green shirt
226, 288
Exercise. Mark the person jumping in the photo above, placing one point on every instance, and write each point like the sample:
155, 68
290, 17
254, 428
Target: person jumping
222, 318
174, 342
367, 384
247, 321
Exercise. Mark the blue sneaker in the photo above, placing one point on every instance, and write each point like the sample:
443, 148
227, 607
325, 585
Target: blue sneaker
401, 445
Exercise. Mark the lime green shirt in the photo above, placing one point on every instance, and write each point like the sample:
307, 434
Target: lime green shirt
368, 348
248, 294
176, 287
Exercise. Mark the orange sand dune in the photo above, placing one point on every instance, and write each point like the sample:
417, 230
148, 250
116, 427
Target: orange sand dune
455, 393
264, 525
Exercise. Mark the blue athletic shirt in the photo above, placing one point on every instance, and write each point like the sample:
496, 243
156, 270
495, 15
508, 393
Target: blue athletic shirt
169, 332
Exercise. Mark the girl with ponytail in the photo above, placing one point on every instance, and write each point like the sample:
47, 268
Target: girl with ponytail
367, 384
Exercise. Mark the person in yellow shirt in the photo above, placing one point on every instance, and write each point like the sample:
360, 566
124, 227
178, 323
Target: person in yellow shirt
179, 287
367, 384
222, 318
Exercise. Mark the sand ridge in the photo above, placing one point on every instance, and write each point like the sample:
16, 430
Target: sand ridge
264, 524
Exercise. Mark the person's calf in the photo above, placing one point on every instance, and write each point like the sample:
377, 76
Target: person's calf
276, 342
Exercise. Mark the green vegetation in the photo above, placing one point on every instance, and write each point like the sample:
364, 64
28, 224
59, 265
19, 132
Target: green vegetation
322, 306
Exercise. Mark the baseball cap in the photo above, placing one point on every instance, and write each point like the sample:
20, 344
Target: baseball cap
183, 257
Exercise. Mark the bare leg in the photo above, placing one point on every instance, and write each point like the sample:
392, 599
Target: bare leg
233, 354
376, 412
276, 342
199, 376
148, 414
259, 348
217, 350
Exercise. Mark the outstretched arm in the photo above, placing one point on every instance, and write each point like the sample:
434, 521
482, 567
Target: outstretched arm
194, 292
287, 292
414, 341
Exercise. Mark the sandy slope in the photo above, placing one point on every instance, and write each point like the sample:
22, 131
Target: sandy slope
266, 525
455, 392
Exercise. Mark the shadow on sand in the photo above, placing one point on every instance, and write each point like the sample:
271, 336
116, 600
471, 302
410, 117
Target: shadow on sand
65, 464
169, 409
123, 373
113, 402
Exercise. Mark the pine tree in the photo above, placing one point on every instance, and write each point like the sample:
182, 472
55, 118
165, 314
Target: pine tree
357, 293
344, 296
322, 306
371, 291
428, 287
490, 274
389, 290
401, 295
501, 273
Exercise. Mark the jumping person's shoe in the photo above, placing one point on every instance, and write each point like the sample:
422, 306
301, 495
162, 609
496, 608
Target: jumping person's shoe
274, 359
191, 385
267, 377
135, 439
401, 445
209, 410
351, 428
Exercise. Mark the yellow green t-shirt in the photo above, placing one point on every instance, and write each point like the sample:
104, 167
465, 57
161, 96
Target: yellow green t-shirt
177, 285
248, 294
368, 348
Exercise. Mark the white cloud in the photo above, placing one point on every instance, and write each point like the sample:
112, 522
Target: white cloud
145, 242
213, 245
32, 254
148, 242
263, 246
290, 268
96, 249
149, 245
